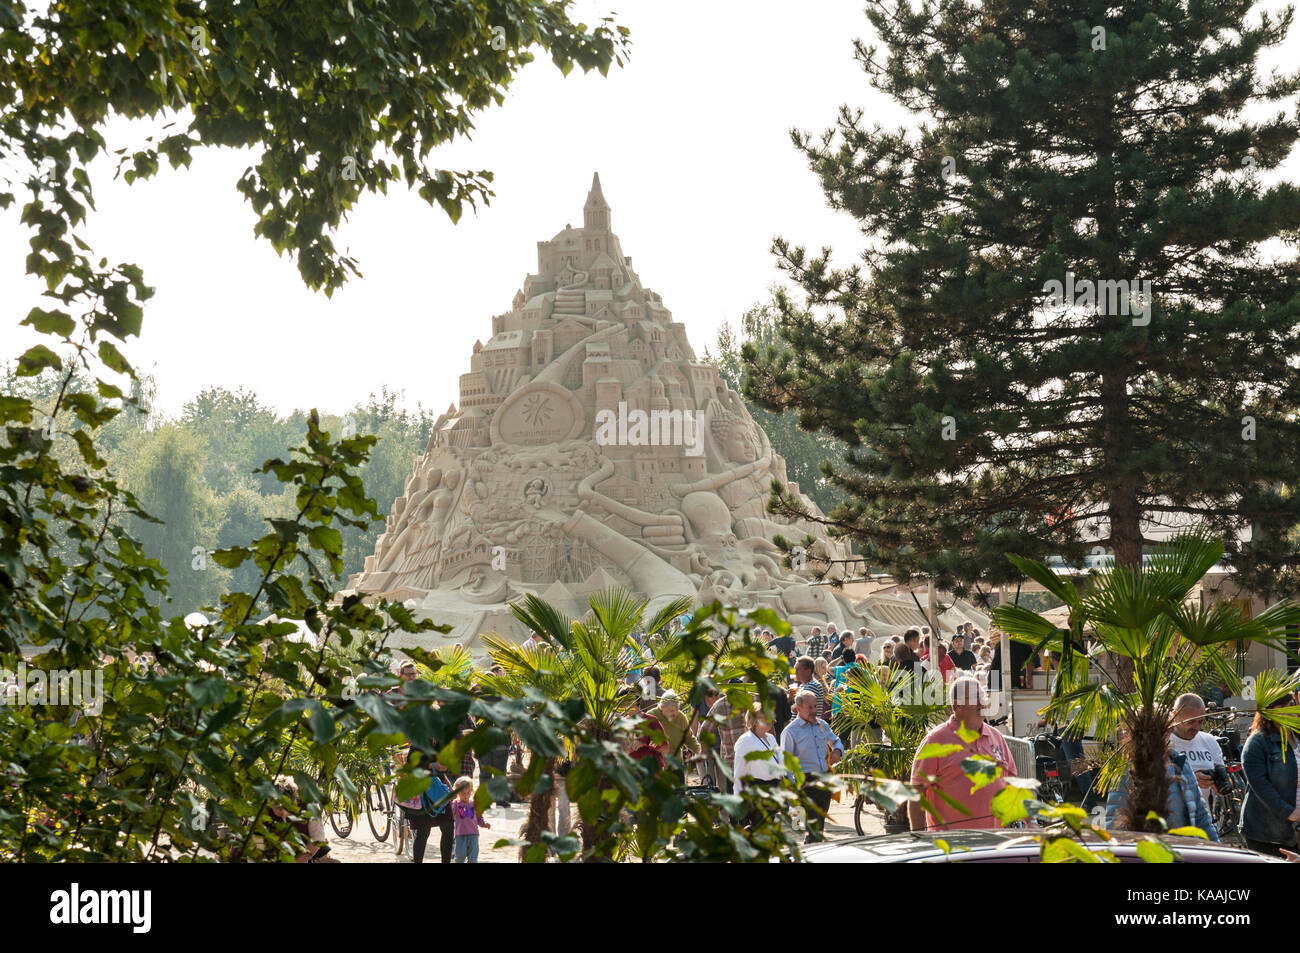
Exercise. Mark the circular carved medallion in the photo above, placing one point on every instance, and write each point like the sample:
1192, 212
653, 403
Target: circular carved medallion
538, 414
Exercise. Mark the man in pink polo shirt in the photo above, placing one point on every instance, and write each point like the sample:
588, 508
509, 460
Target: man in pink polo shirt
968, 699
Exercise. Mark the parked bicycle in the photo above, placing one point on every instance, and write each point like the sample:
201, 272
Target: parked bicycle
342, 813
1222, 725
404, 838
380, 807
1224, 798
1228, 788
1051, 766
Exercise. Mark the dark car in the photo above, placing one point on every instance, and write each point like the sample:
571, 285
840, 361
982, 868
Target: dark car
1007, 847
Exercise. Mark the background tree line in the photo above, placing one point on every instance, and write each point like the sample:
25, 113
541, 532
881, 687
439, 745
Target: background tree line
198, 474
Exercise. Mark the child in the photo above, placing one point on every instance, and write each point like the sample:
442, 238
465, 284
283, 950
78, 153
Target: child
467, 822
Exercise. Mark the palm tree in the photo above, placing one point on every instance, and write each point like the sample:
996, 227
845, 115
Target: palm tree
587, 658
1142, 616
455, 671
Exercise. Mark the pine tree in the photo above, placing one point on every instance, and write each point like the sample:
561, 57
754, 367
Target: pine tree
989, 410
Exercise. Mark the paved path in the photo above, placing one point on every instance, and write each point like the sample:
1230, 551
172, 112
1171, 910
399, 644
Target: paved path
362, 848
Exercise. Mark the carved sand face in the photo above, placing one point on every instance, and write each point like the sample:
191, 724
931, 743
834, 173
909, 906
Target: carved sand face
740, 446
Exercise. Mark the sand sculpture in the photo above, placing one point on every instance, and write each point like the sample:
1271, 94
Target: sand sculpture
591, 447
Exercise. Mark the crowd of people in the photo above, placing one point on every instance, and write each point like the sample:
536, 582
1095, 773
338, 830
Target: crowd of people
721, 745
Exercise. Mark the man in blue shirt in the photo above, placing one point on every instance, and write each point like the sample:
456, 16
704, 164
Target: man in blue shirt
817, 749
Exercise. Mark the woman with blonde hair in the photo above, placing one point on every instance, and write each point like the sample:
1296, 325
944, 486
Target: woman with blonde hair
757, 737
820, 666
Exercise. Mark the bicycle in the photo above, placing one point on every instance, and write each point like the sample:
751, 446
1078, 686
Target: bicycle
859, 809
342, 813
379, 807
1229, 787
1225, 732
404, 838
1225, 796
1048, 760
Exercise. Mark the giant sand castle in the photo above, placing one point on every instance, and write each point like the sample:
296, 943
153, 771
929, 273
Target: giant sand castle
591, 448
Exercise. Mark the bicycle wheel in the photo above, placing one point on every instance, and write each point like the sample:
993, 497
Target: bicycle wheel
401, 835
379, 811
1223, 812
859, 810
342, 813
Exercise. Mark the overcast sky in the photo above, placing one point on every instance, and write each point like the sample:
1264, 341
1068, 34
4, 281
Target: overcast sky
691, 142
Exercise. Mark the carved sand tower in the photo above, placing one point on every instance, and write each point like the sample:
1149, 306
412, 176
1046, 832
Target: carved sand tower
590, 447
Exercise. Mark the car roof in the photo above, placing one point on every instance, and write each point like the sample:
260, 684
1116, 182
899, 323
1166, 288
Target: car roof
922, 846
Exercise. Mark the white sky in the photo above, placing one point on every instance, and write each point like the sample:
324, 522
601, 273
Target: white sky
691, 142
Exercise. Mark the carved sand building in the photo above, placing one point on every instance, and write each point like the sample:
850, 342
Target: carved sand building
548, 480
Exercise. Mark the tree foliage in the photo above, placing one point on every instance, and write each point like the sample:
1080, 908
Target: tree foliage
985, 413
804, 451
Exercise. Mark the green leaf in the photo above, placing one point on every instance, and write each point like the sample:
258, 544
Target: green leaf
326, 539
50, 322
1153, 852
322, 725
15, 408
231, 558
36, 359
937, 750
86, 446
1064, 850
382, 711
981, 770
112, 358
411, 785
1009, 805
206, 691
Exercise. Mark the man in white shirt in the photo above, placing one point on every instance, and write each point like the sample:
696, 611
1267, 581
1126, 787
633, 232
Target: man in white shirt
1200, 748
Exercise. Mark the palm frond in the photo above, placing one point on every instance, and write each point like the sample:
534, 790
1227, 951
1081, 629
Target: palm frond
1124, 599
1024, 625
1271, 686
1215, 624
1059, 586
664, 616
543, 619
1273, 625
1175, 567
456, 670
617, 611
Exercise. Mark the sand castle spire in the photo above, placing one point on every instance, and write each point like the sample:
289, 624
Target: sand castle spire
595, 214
